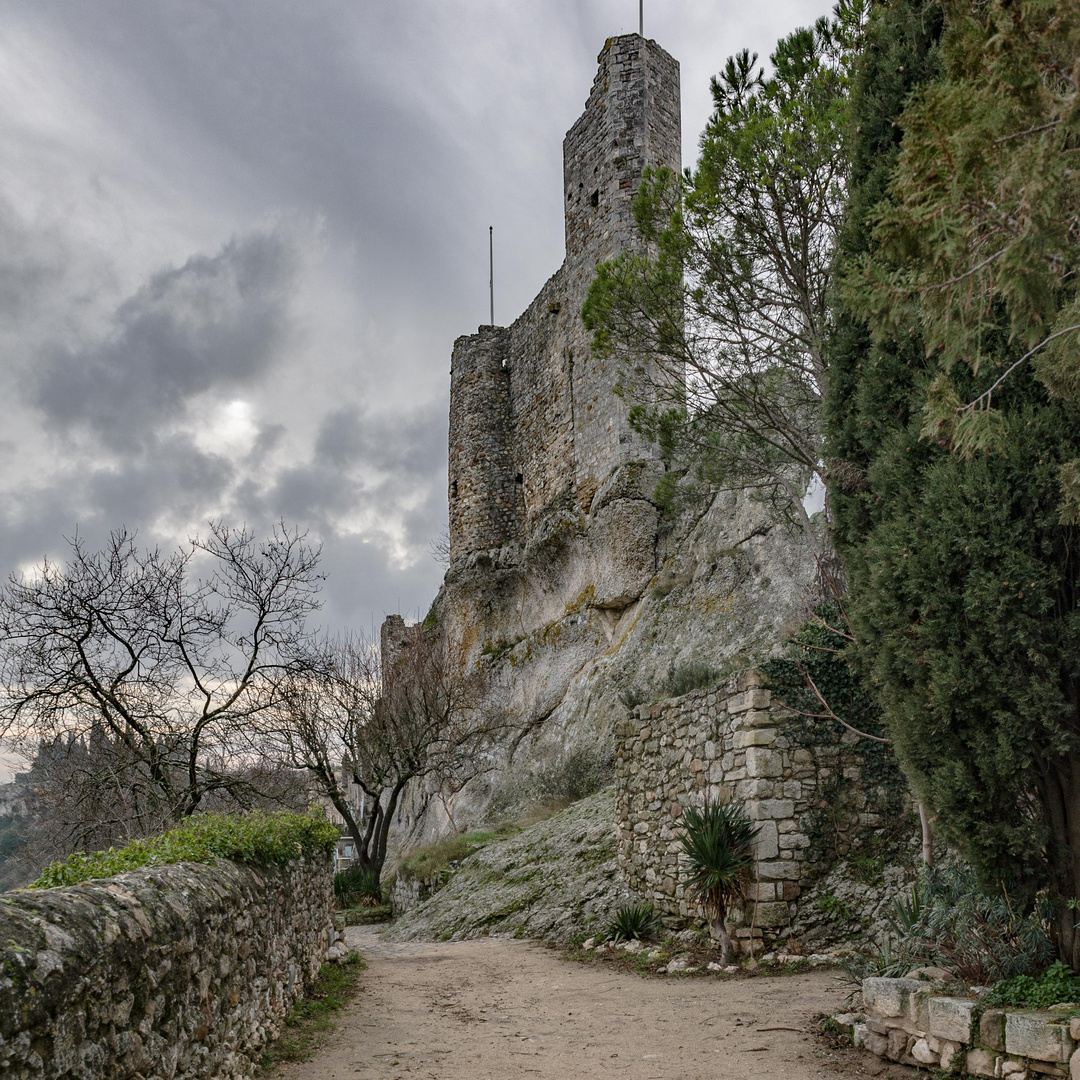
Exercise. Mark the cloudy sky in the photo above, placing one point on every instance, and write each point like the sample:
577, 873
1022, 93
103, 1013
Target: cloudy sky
238, 237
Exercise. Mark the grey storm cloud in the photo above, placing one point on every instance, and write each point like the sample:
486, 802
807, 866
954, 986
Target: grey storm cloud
215, 322
412, 443
389, 136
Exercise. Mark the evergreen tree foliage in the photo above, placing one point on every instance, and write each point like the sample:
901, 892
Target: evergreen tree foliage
719, 324
963, 573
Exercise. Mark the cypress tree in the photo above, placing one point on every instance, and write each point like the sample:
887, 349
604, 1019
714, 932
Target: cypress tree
960, 552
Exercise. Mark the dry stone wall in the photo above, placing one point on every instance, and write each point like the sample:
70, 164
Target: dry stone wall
720, 744
909, 1022
175, 971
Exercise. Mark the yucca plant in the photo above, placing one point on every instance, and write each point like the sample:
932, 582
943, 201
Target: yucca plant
719, 844
634, 921
358, 887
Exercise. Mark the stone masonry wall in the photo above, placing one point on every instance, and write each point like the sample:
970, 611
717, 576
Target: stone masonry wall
910, 1021
533, 416
718, 744
174, 971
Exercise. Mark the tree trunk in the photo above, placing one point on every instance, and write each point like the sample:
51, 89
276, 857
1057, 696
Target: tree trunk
1061, 802
927, 836
719, 934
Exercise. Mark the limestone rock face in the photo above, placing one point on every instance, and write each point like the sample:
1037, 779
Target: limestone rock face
601, 609
553, 881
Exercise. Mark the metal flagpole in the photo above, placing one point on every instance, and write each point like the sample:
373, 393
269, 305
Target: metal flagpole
491, 270
641, 18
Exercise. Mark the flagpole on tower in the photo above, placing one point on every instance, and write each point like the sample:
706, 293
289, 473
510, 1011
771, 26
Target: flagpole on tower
641, 18
491, 270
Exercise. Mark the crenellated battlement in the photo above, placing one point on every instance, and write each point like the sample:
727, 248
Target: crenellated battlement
533, 415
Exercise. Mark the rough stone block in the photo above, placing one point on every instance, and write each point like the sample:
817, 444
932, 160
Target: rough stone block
921, 1052
754, 737
992, 1029
1074, 1028
753, 790
950, 1018
916, 1009
876, 1044
1043, 1036
767, 844
1074, 1066
951, 1059
757, 718
750, 699
770, 916
888, 997
981, 1063
898, 1044
763, 762
770, 809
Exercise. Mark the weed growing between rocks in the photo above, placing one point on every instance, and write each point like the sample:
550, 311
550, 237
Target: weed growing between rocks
425, 862
315, 1014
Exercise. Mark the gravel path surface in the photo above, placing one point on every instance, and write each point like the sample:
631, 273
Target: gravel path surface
500, 1009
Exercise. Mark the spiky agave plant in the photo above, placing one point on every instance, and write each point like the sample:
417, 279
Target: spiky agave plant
633, 922
719, 844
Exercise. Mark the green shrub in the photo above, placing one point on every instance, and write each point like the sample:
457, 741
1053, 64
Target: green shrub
426, 862
1055, 986
573, 775
949, 921
357, 887
693, 676
633, 922
259, 838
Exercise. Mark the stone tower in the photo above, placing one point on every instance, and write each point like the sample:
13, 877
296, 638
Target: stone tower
534, 422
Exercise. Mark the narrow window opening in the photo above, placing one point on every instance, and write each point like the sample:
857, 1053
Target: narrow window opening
595, 199
518, 478
453, 490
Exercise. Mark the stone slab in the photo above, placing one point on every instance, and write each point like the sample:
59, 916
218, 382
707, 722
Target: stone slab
1043, 1036
888, 997
950, 1018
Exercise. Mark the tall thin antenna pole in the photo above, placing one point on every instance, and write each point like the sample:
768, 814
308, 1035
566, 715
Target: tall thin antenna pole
641, 18
491, 270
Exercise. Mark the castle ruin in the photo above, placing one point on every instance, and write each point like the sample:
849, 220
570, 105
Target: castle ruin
534, 422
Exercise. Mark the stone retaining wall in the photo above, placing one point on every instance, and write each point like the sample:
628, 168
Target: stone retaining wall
407, 892
907, 1022
175, 971
720, 744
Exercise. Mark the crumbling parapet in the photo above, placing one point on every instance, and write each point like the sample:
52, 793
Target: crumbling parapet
911, 1022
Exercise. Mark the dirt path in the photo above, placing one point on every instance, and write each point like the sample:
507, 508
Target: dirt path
498, 1009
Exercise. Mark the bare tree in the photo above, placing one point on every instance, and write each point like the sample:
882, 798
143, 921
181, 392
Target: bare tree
156, 663
384, 723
